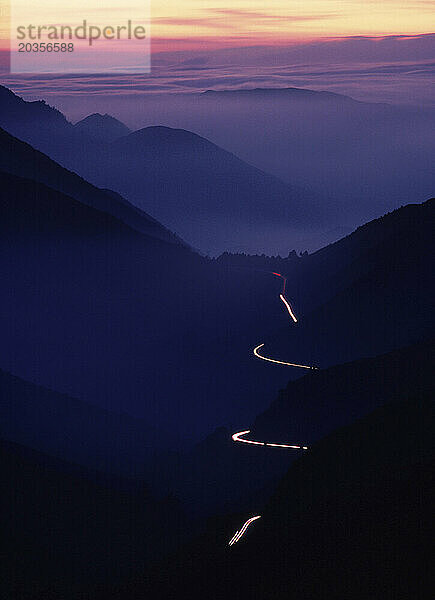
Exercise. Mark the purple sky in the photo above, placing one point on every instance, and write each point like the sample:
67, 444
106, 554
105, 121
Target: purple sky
396, 69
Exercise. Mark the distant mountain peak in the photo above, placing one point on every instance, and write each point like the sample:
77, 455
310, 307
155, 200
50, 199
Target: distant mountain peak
283, 92
103, 127
163, 133
100, 118
162, 139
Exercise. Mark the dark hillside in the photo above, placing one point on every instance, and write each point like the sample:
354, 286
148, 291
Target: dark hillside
351, 519
66, 528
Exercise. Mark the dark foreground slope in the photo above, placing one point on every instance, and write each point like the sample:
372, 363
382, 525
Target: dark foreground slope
399, 241
351, 519
346, 511
65, 528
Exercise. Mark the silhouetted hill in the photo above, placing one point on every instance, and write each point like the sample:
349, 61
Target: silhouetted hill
102, 127
350, 519
99, 311
24, 118
31, 208
380, 242
175, 173
65, 528
18, 158
382, 297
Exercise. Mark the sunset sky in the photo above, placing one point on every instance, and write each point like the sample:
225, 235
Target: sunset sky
191, 28
182, 24
276, 21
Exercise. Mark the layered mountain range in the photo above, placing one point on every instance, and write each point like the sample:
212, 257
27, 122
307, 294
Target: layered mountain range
208, 195
126, 364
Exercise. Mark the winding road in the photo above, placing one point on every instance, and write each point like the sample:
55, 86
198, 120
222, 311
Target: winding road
240, 436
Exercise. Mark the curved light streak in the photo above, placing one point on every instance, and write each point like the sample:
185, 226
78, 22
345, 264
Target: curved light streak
237, 437
279, 362
236, 537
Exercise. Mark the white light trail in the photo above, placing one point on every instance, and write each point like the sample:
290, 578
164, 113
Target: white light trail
289, 308
236, 537
237, 437
279, 362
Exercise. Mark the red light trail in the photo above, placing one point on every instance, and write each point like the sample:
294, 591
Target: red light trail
284, 281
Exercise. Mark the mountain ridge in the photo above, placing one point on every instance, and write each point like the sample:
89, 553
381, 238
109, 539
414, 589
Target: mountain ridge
182, 191
289, 92
21, 159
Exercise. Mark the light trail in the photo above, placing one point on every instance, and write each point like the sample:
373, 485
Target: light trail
284, 280
279, 362
283, 298
289, 308
236, 537
237, 437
